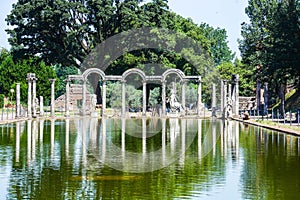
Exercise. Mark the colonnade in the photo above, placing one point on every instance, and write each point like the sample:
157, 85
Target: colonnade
230, 97
123, 81
32, 98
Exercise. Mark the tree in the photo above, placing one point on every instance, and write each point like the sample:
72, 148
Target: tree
61, 73
218, 44
64, 31
271, 43
246, 83
15, 72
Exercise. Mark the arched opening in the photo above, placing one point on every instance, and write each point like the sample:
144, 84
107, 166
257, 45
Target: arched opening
133, 91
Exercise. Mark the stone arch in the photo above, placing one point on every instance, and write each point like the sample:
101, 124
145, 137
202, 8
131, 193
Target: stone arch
173, 71
134, 71
89, 71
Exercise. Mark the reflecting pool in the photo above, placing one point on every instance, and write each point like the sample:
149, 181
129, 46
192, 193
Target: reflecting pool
89, 158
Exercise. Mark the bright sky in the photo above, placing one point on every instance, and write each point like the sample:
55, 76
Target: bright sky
227, 14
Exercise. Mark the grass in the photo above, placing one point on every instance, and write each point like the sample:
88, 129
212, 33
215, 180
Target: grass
279, 125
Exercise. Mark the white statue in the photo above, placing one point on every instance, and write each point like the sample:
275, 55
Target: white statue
93, 102
175, 105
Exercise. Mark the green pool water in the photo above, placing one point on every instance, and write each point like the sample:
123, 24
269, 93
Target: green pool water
89, 158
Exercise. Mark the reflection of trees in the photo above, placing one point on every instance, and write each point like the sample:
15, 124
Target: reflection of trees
271, 165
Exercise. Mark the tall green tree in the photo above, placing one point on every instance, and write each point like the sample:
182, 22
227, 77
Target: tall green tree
271, 43
65, 31
218, 44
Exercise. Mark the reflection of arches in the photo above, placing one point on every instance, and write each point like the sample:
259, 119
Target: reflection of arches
134, 71
173, 71
89, 71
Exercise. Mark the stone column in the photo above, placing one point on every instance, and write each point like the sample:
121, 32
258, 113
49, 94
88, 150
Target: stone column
34, 96
18, 101
199, 96
258, 87
213, 101
123, 98
144, 98
225, 99
183, 95
41, 106
83, 107
103, 97
266, 98
29, 114
67, 98
163, 94
52, 97
222, 96
236, 89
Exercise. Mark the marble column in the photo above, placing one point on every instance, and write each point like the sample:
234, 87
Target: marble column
199, 96
225, 99
18, 101
34, 96
41, 106
29, 114
104, 98
123, 98
213, 102
52, 98
183, 96
83, 108
163, 94
236, 89
144, 98
222, 97
67, 98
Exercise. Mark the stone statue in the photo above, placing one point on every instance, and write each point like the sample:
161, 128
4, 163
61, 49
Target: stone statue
93, 102
174, 104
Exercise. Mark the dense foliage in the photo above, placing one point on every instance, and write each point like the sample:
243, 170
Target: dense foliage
64, 32
15, 72
271, 43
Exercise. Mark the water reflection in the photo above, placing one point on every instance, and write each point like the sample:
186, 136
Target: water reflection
192, 158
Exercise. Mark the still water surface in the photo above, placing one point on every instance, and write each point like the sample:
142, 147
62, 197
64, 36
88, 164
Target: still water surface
146, 159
